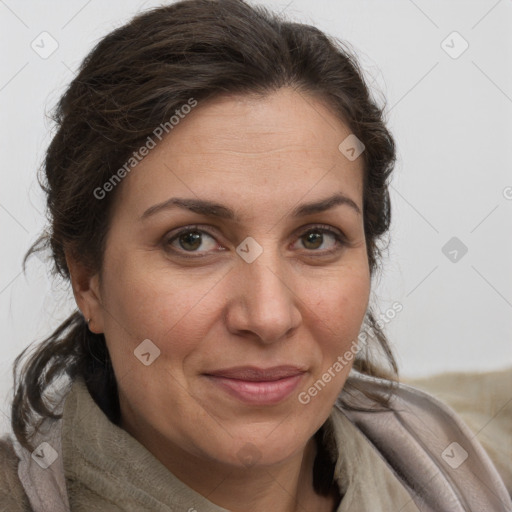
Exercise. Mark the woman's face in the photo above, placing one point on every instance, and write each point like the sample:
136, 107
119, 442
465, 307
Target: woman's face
267, 287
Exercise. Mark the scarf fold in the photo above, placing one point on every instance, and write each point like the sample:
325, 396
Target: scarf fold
41, 472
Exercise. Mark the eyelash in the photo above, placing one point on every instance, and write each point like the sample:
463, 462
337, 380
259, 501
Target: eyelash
318, 228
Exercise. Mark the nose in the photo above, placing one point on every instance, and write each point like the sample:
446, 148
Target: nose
263, 303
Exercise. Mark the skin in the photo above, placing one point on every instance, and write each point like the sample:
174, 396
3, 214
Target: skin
295, 304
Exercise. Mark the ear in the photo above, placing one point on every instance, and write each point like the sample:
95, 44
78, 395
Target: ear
86, 290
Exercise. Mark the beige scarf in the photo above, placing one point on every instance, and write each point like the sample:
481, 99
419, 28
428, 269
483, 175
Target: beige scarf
418, 457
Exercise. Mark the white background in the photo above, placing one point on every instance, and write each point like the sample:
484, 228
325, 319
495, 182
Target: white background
452, 121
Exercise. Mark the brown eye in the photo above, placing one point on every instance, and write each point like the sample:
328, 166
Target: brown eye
314, 238
190, 241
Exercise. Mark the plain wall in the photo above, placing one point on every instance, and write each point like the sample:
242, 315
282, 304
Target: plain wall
452, 121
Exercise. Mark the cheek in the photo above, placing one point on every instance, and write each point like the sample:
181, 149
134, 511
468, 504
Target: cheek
340, 311
156, 304
344, 301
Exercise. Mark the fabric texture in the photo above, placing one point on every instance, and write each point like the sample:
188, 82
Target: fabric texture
484, 402
401, 460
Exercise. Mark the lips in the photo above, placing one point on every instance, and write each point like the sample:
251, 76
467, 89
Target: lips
257, 386
253, 374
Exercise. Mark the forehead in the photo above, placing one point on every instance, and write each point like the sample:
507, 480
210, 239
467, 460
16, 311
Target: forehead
249, 147
282, 121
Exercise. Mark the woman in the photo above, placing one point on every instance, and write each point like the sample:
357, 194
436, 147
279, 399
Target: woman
217, 189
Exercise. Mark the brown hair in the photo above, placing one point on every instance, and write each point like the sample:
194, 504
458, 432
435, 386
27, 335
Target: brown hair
133, 81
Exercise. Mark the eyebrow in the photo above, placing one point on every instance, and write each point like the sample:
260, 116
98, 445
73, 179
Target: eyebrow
213, 209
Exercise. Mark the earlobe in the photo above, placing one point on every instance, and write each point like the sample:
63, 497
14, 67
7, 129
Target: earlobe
86, 291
